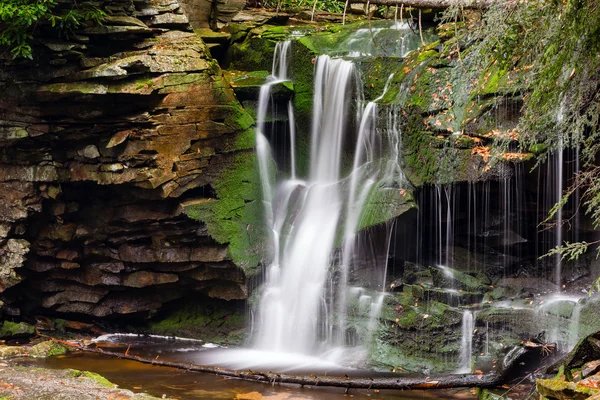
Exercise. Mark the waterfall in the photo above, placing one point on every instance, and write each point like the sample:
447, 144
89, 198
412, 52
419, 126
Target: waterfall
311, 217
466, 342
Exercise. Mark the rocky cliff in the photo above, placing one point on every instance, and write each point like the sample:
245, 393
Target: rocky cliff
109, 138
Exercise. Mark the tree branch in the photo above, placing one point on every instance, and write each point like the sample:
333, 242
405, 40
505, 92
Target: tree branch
427, 3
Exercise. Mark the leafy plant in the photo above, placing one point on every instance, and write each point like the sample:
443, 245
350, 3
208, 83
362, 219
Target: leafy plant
19, 20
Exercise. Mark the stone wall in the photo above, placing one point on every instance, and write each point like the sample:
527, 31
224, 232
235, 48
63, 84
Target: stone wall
106, 137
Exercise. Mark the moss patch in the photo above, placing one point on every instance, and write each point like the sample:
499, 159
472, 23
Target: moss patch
209, 320
235, 216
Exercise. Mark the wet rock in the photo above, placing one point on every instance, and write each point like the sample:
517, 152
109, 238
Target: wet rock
449, 278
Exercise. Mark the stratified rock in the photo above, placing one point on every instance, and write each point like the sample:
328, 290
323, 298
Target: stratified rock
118, 121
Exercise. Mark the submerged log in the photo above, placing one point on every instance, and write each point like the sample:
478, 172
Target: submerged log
426, 3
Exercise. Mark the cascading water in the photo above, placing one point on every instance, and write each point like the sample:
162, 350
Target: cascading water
309, 217
466, 342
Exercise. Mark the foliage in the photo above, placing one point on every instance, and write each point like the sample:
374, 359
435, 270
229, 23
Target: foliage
19, 20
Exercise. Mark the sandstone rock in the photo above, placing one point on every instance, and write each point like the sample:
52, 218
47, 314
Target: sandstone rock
116, 31
118, 138
146, 278
69, 265
67, 254
123, 21
227, 291
111, 121
61, 45
170, 20
89, 151
114, 267
68, 296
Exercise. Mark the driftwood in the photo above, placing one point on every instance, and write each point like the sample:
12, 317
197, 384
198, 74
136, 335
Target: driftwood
490, 380
425, 3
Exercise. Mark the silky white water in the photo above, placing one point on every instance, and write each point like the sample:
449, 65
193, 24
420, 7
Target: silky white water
466, 342
299, 310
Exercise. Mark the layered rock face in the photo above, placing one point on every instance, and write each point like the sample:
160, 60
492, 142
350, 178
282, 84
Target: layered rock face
106, 138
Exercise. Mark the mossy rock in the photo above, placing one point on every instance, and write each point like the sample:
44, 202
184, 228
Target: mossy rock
48, 348
563, 390
209, 320
453, 279
12, 351
384, 204
235, 216
16, 329
96, 378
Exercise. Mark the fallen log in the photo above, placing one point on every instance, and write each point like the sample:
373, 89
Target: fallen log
490, 380
347, 382
426, 3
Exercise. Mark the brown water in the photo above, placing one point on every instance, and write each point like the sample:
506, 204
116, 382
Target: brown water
179, 384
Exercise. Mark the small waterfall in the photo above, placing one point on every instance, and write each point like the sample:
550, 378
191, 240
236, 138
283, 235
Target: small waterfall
466, 342
298, 312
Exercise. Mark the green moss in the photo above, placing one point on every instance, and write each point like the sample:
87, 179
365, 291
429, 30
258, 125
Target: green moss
48, 348
235, 216
96, 378
14, 329
383, 204
210, 320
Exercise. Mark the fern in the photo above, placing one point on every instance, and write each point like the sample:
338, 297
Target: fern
20, 19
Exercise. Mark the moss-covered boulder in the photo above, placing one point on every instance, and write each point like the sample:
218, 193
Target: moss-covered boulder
48, 348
